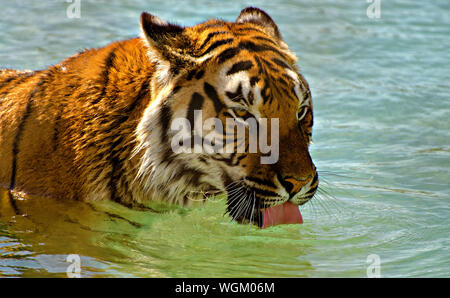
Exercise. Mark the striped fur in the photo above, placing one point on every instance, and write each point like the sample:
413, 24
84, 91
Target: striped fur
97, 125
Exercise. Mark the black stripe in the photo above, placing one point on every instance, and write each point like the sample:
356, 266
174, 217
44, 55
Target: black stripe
185, 200
165, 116
269, 65
112, 184
20, 128
191, 74
264, 192
265, 203
265, 39
195, 72
216, 45
228, 54
252, 47
212, 94
8, 80
13, 203
174, 90
260, 68
116, 162
16, 82
108, 64
305, 96
260, 214
208, 38
237, 96
312, 190
288, 77
282, 81
261, 181
316, 177
285, 91
200, 74
250, 97
240, 158
265, 92
240, 66
249, 29
254, 80
281, 63
196, 103
141, 94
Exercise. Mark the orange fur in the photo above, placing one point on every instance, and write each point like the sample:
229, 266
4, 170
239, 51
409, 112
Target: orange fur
95, 126
61, 133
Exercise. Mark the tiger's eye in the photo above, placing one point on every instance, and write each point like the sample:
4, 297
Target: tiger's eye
241, 113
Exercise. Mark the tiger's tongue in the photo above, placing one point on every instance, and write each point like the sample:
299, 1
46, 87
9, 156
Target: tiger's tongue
286, 213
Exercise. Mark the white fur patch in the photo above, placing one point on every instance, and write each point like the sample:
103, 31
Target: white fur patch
160, 179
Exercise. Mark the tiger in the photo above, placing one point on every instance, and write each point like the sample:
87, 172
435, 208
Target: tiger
98, 125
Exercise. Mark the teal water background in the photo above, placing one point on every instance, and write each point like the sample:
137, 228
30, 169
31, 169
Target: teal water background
381, 92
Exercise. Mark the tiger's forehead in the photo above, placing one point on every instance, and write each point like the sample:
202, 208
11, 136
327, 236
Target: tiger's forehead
205, 38
253, 69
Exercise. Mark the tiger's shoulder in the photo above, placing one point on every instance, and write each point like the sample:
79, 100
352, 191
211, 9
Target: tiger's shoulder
51, 119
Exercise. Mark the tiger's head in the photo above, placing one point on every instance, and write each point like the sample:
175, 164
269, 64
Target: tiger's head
214, 85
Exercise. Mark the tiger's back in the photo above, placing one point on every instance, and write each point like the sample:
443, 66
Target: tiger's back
60, 125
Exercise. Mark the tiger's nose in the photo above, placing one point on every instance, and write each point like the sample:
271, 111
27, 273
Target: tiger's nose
294, 185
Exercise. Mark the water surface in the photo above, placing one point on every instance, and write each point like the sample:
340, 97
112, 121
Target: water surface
381, 144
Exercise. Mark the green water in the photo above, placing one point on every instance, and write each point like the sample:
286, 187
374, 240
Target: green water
381, 94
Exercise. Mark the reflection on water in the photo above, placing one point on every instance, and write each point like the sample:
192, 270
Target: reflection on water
380, 92
177, 242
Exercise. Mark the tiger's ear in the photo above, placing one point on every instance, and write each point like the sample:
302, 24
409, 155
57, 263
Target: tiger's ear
260, 17
167, 45
257, 16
